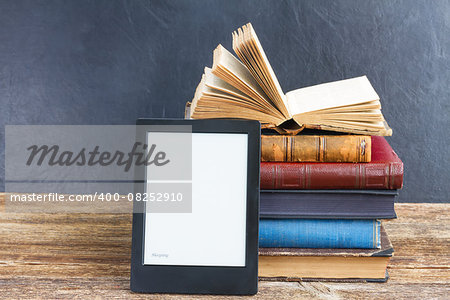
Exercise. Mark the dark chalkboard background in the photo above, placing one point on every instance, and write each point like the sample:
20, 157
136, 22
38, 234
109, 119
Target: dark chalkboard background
110, 62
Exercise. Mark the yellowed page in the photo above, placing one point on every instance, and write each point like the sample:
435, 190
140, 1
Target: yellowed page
349, 108
329, 95
248, 47
347, 117
214, 103
224, 59
215, 82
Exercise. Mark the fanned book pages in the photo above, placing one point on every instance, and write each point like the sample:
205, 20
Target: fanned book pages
247, 88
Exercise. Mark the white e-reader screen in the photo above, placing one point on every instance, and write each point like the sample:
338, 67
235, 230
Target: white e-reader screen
214, 232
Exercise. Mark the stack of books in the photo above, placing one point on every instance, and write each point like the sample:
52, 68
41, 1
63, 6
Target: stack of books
328, 176
322, 199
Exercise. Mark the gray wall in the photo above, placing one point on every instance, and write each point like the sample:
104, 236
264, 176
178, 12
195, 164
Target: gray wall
110, 62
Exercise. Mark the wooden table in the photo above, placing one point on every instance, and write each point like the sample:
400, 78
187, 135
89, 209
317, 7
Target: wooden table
88, 256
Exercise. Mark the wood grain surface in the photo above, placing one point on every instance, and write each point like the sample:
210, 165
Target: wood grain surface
88, 256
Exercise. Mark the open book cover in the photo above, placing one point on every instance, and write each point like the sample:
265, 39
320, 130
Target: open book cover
247, 88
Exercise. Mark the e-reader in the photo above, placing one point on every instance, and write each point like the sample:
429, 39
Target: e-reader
195, 210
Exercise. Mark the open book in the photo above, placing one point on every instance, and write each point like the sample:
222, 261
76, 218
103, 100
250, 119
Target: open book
248, 89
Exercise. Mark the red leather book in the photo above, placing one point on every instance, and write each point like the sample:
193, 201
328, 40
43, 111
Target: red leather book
385, 171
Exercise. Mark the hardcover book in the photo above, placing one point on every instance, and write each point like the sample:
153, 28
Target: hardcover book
316, 148
248, 89
319, 233
302, 264
385, 171
329, 204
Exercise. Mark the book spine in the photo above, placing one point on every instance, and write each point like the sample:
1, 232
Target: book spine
319, 233
327, 204
290, 176
313, 148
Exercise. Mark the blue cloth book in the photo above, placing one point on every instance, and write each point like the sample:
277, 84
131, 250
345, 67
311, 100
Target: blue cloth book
319, 233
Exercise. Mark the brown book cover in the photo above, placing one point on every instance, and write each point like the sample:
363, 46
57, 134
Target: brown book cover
301, 264
385, 171
316, 148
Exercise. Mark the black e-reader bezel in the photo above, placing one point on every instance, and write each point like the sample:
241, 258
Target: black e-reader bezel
226, 280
